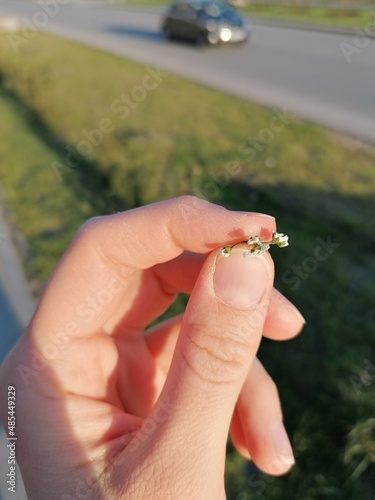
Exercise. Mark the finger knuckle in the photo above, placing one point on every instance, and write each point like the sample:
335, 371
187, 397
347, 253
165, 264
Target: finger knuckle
90, 235
217, 355
89, 229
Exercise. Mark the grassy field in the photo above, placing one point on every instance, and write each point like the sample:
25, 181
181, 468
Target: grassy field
84, 133
340, 17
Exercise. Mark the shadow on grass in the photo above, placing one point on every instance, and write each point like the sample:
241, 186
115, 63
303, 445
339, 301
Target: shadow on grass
86, 180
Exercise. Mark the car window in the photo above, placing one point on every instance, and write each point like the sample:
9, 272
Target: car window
212, 9
189, 11
198, 6
216, 9
184, 11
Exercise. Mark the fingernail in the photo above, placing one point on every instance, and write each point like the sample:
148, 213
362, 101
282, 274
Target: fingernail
282, 447
258, 214
279, 297
298, 314
240, 282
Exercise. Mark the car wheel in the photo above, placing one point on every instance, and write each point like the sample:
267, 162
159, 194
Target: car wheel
167, 32
201, 40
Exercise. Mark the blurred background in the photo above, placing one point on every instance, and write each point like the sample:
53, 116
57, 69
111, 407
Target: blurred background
106, 106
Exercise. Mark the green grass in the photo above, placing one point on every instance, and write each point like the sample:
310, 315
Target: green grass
320, 16
182, 138
340, 17
45, 213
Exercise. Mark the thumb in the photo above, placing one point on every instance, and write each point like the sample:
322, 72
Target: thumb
219, 338
222, 327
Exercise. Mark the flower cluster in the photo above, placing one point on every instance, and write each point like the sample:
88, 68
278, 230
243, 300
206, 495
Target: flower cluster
258, 247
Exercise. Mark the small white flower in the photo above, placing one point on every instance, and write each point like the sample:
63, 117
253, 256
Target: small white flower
258, 247
263, 248
254, 240
225, 253
280, 239
283, 241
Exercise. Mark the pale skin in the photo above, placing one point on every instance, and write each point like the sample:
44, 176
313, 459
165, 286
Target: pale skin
111, 409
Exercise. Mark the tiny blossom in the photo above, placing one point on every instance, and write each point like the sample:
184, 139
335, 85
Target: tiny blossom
280, 239
254, 240
259, 247
225, 252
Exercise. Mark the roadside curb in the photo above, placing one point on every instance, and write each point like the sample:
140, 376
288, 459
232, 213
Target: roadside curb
13, 282
318, 28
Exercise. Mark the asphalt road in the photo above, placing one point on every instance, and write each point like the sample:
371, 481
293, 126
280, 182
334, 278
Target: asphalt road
323, 77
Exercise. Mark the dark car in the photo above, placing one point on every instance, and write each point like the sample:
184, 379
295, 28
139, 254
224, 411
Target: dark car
204, 21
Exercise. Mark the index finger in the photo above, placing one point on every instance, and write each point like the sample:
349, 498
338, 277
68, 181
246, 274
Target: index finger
105, 258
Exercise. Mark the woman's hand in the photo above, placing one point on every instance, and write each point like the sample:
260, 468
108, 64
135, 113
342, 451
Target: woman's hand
107, 409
